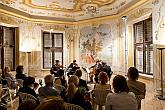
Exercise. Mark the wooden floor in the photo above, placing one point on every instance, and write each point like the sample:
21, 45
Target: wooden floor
151, 102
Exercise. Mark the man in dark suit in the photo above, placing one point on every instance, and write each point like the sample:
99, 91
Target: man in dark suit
72, 67
82, 83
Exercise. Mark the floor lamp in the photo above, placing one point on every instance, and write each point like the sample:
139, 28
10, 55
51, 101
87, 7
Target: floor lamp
161, 97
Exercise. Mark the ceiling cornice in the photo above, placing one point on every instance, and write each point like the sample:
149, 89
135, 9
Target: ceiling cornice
51, 21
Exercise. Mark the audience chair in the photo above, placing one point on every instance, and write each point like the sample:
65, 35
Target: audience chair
139, 98
25, 96
7, 94
99, 98
69, 106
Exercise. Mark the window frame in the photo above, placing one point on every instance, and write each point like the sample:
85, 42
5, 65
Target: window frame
52, 48
2, 46
144, 43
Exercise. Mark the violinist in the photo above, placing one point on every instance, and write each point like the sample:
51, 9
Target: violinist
55, 68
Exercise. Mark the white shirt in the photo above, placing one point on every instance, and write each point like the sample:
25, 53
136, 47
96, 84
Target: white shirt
121, 101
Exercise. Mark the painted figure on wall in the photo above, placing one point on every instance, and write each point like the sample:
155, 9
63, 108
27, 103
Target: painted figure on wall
95, 42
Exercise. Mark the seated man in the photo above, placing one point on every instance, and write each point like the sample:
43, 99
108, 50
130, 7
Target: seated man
55, 68
72, 67
28, 87
137, 87
95, 70
106, 68
48, 89
19, 73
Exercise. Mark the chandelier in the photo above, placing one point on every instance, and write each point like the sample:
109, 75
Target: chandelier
91, 9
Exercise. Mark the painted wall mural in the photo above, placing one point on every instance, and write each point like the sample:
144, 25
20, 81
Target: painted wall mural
96, 42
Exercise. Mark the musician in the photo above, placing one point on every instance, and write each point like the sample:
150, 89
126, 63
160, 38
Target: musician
96, 70
72, 67
106, 68
55, 68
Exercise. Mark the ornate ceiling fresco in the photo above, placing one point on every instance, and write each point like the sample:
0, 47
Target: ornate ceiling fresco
69, 9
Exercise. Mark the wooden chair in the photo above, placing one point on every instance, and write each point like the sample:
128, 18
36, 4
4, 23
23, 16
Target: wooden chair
69, 106
25, 96
99, 98
139, 98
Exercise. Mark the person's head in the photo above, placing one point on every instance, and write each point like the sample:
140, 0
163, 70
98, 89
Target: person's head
29, 82
54, 103
57, 81
97, 62
103, 63
6, 69
49, 80
78, 73
120, 84
28, 105
74, 79
103, 77
19, 69
74, 61
133, 73
57, 61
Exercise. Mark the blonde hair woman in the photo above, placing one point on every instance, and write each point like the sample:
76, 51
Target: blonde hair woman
75, 95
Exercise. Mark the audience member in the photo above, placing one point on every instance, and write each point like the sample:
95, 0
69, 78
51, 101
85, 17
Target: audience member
28, 105
75, 95
48, 89
19, 73
82, 83
137, 87
62, 78
60, 88
103, 79
53, 103
28, 87
122, 99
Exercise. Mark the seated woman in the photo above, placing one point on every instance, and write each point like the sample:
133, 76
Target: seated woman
103, 79
75, 95
137, 87
12, 84
101, 90
59, 87
122, 99
48, 89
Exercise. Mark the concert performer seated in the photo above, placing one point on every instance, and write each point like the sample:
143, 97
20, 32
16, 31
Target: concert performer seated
55, 68
95, 70
72, 67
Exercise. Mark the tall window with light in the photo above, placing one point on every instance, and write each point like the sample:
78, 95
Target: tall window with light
143, 46
52, 49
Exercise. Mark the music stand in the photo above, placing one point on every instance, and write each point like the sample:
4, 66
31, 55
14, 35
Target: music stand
161, 97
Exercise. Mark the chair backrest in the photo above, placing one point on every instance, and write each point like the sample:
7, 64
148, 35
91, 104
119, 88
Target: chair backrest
69, 106
20, 82
25, 96
100, 96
